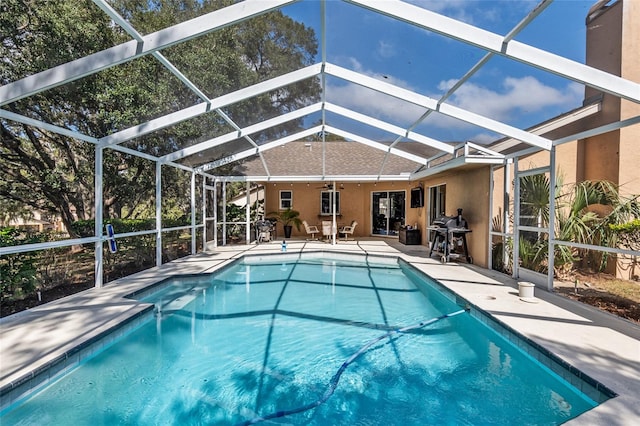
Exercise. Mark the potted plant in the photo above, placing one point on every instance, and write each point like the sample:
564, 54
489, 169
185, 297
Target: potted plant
288, 218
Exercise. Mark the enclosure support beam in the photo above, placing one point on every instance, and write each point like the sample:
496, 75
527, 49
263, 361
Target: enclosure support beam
492, 170
158, 213
552, 219
98, 217
224, 213
193, 213
505, 214
248, 214
204, 213
215, 213
516, 219
334, 223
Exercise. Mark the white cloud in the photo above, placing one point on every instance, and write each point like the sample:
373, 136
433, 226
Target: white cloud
372, 103
479, 12
483, 138
515, 97
385, 50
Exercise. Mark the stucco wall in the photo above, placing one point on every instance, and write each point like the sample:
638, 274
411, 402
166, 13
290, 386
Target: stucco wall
598, 157
629, 175
355, 203
468, 190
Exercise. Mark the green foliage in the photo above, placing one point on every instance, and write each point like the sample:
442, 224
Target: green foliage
628, 233
85, 228
588, 212
534, 195
533, 254
17, 270
55, 174
287, 217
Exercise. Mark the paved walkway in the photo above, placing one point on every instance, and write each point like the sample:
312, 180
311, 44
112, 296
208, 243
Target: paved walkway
603, 346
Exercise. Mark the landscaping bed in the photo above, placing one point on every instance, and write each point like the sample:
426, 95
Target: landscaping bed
605, 292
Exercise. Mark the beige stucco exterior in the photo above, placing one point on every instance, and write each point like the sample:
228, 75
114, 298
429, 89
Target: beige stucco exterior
468, 189
629, 172
355, 203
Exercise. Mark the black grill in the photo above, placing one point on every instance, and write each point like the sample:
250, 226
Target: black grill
449, 237
451, 222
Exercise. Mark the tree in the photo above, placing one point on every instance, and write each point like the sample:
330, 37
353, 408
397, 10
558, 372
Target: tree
54, 173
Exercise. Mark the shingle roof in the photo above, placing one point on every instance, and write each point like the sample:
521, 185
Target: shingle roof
340, 158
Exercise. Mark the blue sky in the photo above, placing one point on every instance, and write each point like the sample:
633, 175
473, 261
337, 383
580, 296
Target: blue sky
416, 59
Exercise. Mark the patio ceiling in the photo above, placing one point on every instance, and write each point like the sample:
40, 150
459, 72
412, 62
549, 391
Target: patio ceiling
240, 143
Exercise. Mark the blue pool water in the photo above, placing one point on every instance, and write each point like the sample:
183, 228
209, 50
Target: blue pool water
263, 336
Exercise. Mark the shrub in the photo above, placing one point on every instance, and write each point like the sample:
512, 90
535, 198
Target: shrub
17, 270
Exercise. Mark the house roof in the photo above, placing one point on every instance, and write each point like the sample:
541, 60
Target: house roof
239, 144
321, 161
562, 128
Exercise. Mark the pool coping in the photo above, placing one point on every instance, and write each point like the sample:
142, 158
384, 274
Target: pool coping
600, 345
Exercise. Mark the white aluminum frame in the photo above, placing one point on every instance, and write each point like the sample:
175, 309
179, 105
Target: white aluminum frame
152, 44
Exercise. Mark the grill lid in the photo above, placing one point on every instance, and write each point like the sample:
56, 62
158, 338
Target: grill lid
451, 221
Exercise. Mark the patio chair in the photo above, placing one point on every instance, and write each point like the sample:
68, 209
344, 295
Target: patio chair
348, 230
311, 229
327, 229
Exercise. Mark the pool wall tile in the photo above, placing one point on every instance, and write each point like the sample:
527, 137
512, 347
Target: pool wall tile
586, 384
61, 365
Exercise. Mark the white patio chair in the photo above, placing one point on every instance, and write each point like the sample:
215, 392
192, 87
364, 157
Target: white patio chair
311, 229
327, 230
348, 230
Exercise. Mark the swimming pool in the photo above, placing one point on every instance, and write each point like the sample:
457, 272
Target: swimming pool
270, 333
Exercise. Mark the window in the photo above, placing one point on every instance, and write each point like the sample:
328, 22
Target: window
388, 212
325, 202
286, 200
437, 197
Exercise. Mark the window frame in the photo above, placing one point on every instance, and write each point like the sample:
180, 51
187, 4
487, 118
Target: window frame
329, 212
282, 200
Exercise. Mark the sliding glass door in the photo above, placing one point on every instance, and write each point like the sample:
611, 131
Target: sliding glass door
387, 212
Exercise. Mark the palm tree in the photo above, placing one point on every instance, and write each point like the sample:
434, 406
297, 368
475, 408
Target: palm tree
583, 214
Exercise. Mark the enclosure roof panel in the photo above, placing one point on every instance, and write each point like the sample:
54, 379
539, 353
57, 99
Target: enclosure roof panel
347, 88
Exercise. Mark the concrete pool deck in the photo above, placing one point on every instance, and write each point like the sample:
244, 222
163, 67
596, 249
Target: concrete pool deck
600, 345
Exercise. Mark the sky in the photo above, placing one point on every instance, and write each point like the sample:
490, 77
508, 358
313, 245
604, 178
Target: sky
429, 64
